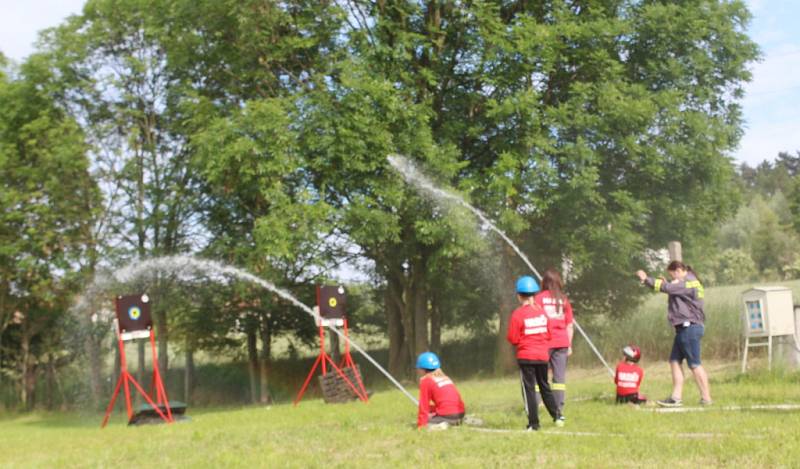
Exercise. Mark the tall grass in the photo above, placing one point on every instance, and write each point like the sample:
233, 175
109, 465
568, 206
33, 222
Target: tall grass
647, 327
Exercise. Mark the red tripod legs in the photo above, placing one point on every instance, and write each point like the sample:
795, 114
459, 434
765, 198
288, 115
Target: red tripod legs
125, 378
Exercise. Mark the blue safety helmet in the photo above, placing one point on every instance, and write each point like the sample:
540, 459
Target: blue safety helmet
428, 361
527, 285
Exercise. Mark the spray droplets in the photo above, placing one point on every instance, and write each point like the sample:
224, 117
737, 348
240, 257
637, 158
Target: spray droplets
415, 177
187, 269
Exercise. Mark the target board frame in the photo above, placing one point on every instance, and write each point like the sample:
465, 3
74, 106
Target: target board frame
332, 301
133, 315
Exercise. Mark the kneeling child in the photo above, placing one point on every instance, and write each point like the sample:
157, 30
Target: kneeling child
629, 376
440, 403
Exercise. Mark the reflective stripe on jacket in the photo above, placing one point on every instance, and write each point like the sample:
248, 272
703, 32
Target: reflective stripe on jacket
685, 303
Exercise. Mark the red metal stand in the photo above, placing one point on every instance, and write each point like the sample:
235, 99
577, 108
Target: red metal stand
347, 361
126, 379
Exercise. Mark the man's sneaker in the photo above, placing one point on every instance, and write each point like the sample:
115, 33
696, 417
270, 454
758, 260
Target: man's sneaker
438, 426
670, 402
531, 429
705, 403
560, 422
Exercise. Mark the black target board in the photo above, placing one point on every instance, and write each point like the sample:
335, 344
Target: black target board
331, 300
133, 313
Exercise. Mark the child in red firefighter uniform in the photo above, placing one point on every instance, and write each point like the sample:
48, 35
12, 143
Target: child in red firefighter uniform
559, 312
440, 403
529, 330
629, 376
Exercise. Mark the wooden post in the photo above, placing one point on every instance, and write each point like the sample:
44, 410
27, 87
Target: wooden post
793, 346
674, 248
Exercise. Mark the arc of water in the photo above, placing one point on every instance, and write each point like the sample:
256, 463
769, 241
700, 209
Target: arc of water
415, 177
184, 263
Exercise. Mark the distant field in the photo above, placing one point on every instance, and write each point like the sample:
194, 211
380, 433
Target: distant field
381, 433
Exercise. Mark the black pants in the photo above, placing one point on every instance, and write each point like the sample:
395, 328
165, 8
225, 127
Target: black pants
454, 419
531, 374
632, 398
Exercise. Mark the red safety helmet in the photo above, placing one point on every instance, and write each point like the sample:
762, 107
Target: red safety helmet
632, 353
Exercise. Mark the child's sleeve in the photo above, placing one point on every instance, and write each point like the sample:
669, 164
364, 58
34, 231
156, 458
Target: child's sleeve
513, 330
568, 319
424, 402
616, 375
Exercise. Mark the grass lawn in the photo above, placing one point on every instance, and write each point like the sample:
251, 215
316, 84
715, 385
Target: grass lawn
381, 433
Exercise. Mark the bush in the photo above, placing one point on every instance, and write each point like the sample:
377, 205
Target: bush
734, 266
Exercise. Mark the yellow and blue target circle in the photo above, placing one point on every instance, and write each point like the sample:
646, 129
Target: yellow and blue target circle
134, 312
332, 302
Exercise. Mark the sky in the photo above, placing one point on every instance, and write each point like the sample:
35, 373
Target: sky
771, 106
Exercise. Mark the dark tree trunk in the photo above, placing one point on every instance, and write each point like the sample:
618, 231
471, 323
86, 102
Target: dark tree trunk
252, 356
188, 375
30, 385
407, 315
266, 357
420, 305
504, 353
436, 325
28, 374
50, 383
91, 347
334, 347
115, 373
397, 347
141, 375
163, 339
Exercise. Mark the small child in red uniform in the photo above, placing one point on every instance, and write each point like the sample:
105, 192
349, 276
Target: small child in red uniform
629, 377
440, 403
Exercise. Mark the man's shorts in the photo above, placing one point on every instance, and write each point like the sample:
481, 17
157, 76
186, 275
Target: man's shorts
687, 345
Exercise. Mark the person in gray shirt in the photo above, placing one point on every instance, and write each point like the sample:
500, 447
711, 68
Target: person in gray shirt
685, 313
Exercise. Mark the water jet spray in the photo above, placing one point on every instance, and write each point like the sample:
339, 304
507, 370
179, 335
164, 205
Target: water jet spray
410, 172
184, 265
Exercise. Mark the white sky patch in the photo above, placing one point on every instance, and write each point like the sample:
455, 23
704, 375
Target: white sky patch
776, 76
22, 21
771, 107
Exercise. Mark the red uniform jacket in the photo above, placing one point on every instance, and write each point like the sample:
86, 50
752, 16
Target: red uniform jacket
628, 378
559, 314
529, 331
439, 396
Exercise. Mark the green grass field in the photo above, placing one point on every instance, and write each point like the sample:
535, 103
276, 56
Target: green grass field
381, 433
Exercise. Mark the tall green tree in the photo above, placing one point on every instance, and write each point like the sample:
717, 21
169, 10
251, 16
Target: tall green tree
45, 189
263, 211
114, 63
590, 129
